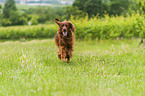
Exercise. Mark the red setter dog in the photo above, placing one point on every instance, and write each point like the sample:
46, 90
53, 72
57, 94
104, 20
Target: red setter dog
64, 39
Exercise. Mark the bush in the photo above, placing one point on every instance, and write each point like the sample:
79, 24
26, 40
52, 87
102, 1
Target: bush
95, 28
34, 20
110, 27
38, 31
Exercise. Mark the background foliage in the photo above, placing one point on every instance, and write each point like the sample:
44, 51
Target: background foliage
45, 14
93, 19
94, 28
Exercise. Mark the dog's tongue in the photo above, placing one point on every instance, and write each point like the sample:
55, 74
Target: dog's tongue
64, 33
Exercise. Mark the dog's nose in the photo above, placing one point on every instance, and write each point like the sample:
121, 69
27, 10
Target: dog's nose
64, 30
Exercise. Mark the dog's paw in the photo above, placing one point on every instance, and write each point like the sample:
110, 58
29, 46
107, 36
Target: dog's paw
63, 60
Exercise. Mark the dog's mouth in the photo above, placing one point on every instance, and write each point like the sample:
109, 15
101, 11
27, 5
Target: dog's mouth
64, 33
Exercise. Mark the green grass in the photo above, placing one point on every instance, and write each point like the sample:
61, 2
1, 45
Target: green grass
24, 6
108, 68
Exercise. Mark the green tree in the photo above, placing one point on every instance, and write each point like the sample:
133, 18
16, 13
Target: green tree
117, 7
45, 14
34, 20
8, 7
17, 19
113, 7
11, 16
74, 11
92, 7
141, 4
0, 15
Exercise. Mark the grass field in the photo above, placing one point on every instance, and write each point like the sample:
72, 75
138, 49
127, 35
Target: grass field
23, 7
108, 68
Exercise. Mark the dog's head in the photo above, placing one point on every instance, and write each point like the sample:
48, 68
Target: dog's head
65, 27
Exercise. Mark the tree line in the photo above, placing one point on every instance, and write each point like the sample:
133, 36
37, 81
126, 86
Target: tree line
10, 15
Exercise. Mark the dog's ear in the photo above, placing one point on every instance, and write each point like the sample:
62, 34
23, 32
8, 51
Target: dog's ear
72, 26
57, 21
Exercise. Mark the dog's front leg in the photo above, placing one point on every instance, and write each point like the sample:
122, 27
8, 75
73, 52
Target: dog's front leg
69, 55
63, 53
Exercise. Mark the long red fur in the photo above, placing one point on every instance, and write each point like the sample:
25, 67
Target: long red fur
65, 43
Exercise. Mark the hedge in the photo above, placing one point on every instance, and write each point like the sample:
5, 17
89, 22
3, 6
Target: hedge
94, 28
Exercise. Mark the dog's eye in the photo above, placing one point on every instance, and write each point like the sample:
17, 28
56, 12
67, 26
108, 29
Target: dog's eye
62, 25
66, 25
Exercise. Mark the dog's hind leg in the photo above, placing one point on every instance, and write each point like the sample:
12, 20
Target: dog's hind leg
69, 55
63, 53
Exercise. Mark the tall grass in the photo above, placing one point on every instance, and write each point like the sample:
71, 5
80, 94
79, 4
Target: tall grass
108, 68
94, 28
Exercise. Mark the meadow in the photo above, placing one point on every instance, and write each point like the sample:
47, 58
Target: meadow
105, 68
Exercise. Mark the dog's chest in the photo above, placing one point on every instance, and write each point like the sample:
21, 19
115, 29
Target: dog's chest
67, 41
